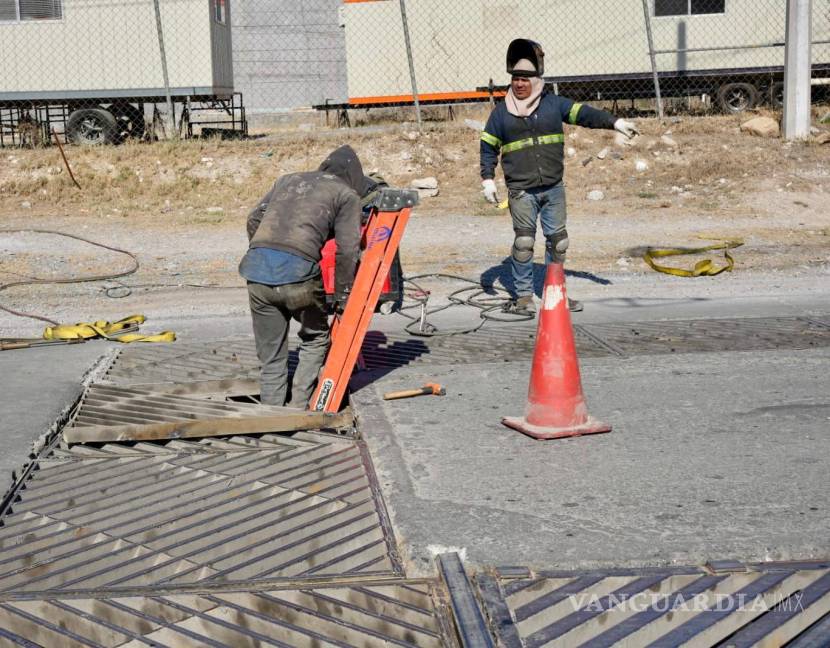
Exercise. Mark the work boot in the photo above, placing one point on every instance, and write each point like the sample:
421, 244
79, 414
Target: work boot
574, 306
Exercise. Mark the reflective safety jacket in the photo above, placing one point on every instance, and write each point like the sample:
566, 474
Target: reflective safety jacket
532, 148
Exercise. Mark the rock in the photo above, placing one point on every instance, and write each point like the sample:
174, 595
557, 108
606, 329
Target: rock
406, 155
641, 165
586, 161
677, 189
26, 204
668, 141
596, 194
474, 124
214, 210
205, 160
814, 130
412, 135
570, 151
425, 183
824, 138
762, 127
428, 193
603, 154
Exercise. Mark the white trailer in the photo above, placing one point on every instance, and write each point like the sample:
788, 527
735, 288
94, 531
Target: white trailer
732, 50
96, 63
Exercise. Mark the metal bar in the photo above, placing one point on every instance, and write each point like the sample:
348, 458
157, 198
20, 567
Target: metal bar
210, 427
468, 617
171, 115
498, 612
651, 54
410, 59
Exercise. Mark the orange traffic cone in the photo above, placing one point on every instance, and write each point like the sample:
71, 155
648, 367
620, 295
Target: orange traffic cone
555, 404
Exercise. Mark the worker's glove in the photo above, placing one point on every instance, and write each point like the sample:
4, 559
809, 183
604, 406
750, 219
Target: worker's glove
626, 128
490, 193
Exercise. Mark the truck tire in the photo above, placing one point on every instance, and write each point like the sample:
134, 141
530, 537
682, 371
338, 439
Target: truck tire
737, 97
130, 121
91, 126
776, 95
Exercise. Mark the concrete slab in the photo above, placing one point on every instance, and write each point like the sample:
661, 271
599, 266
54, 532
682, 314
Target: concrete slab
712, 456
38, 386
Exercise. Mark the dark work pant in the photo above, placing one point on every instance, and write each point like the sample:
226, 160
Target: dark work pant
272, 308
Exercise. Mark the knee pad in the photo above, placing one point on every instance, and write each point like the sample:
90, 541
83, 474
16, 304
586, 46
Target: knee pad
557, 243
523, 247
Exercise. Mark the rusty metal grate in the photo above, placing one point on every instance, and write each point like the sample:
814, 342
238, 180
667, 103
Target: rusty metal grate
395, 613
739, 606
230, 510
711, 335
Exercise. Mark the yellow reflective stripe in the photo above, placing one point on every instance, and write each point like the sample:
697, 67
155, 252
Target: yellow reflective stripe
552, 139
559, 138
492, 140
574, 113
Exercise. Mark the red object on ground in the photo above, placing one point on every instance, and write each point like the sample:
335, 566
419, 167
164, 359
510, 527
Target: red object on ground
555, 402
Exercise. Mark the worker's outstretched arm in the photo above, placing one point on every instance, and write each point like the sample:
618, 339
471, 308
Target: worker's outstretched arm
584, 115
347, 236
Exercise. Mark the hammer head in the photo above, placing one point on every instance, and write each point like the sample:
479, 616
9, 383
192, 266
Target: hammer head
437, 390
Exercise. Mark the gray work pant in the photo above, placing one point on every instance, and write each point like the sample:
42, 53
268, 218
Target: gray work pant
272, 308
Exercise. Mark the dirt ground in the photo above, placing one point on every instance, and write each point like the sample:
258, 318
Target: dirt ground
181, 206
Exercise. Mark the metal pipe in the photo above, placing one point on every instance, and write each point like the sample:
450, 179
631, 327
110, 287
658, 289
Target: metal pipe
171, 115
731, 48
411, 64
797, 70
651, 53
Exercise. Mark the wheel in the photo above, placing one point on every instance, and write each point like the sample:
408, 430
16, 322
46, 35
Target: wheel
90, 126
776, 95
737, 97
130, 121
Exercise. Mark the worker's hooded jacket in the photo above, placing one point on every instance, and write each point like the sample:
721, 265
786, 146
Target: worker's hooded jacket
532, 147
303, 210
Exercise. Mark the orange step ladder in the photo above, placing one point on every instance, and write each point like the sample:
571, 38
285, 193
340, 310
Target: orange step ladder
387, 222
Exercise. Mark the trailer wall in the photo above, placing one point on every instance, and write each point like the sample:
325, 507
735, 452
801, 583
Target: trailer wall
111, 48
458, 47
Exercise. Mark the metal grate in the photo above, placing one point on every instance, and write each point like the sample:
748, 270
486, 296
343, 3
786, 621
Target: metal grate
658, 607
230, 510
397, 613
696, 336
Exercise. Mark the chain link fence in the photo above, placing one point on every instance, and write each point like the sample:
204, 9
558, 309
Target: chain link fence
106, 70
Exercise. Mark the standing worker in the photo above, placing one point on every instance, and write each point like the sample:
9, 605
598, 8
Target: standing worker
527, 129
286, 231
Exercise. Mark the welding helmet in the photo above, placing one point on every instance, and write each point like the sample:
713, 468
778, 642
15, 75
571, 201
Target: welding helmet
523, 48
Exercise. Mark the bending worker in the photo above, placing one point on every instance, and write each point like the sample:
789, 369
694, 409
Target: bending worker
527, 129
287, 230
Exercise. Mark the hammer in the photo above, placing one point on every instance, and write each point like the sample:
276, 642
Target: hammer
428, 389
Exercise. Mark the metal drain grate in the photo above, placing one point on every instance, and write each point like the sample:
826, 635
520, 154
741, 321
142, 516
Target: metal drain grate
389, 614
658, 607
275, 507
695, 336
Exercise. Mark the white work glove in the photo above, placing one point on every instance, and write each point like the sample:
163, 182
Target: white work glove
490, 192
626, 128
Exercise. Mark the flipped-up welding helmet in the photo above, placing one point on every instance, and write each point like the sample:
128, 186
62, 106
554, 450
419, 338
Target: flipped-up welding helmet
523, 48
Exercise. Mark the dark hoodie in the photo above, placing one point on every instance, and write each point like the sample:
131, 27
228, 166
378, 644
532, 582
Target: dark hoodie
303, 210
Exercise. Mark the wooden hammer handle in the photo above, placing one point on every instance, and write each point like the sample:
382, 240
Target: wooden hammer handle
407, 393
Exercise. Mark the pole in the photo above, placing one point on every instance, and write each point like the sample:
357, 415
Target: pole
171, 116
650, 37
411, 64
797, 70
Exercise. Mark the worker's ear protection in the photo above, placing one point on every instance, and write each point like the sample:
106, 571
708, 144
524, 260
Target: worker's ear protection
523, 48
